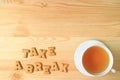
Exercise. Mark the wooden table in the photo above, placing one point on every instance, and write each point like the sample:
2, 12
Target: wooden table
60, 23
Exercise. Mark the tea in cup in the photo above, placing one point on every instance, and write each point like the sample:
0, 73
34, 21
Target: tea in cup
93, 58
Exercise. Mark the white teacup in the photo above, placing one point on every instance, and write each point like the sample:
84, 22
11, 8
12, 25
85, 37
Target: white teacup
78, 57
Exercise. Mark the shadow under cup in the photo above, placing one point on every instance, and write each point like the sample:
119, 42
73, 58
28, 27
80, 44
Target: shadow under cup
93, 58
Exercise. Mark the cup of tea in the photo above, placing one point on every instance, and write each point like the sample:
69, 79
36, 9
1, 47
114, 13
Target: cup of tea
93, 58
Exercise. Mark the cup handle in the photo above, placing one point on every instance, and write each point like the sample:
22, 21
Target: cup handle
113, 70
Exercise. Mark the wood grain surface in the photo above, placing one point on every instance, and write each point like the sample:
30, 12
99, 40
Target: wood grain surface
60, 18
60, 23
11, 50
